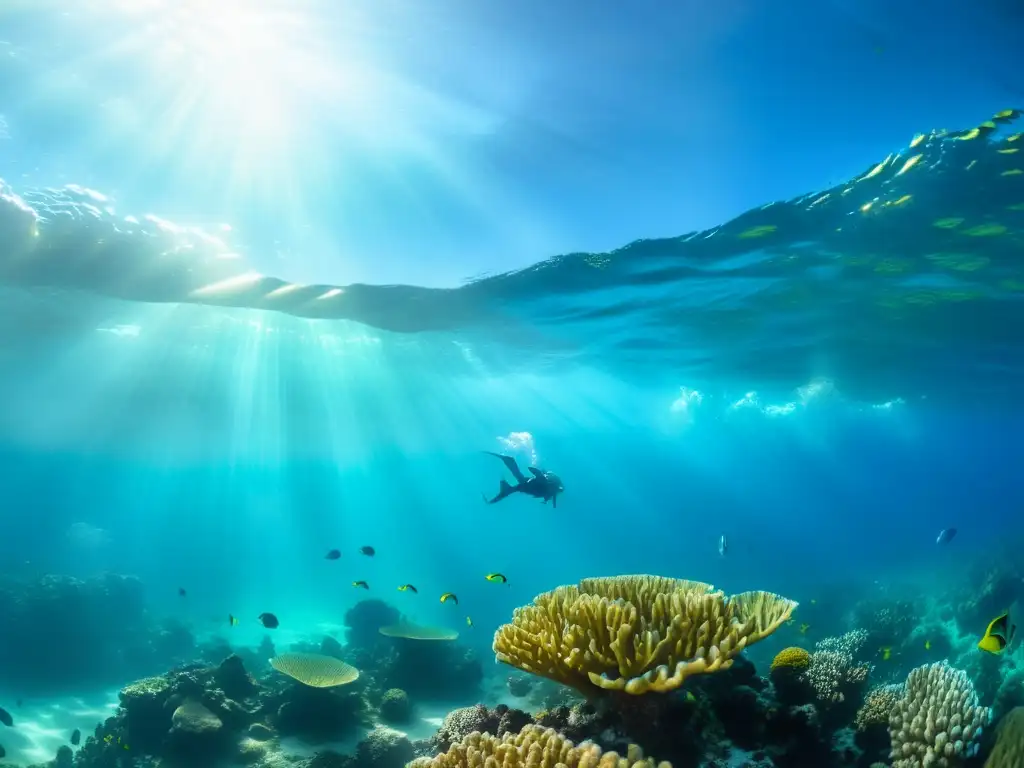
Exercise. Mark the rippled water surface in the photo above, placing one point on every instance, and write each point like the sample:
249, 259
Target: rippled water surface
898, 282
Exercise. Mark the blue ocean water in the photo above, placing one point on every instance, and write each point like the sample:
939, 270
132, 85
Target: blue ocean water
827, 381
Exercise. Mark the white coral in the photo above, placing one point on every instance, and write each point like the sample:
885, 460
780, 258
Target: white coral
936, 722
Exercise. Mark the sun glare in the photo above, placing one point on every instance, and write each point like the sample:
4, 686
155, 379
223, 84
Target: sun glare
249, 85
246, 64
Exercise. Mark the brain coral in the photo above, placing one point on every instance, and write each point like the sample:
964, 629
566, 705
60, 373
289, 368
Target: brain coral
791, 658
938, 719
533, 747
635, 633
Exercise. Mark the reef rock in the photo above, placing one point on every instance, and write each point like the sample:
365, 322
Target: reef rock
194, 719
232, 678
395, 706
196, 733
364, 619
260, 732
384, 748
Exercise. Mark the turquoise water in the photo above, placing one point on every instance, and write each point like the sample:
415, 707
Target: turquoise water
225, 449
826, 381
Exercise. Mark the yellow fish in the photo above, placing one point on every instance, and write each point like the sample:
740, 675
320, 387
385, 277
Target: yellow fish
232, 620
408, 588
927, 645
496, 577
804, 628
886, 653
469, 622
449, 596
999, 634
360, 584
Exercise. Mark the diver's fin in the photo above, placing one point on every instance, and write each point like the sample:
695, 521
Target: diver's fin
504, 490
510, 463
536, 472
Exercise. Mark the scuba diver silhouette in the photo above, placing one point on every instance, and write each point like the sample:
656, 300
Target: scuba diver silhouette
542, 485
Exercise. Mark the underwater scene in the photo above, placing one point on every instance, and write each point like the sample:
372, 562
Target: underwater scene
733, 480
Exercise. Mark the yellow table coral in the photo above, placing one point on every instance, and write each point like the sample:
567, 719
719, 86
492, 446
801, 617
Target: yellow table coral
533, 747
636, 633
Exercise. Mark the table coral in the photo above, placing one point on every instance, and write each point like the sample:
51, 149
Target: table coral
636, 633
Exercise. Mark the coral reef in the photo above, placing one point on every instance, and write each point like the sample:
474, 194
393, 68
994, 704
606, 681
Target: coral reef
604, 670
886, 621
1008, 751
186, 717
636, 633
836, 678
113, 635
533, 747
938, 719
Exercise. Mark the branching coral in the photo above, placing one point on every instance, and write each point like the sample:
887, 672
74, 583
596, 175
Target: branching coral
878, 706
832, 671
635, 633
938, 719
533, 747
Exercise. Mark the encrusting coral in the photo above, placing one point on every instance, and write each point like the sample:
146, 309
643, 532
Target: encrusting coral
636, 633
938, 720
532, 747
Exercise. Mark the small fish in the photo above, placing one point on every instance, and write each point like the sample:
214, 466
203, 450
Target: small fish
182, 592
723, 545
927, 645
109, 738
76, 737
269, 620
449, 596
804, 628
368, 551
469, 622
496, 577
690, 697
333, 554
5, 718
408, 588
232, 620
886, 653
360, 584
1000, 633
946, 535
814, 602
